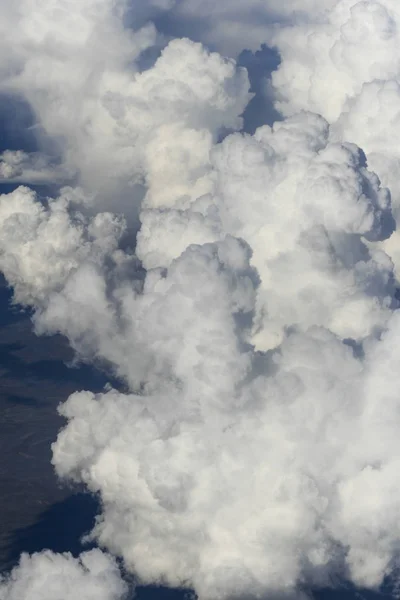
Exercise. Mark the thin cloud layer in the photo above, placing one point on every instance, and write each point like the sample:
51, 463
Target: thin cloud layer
253, 317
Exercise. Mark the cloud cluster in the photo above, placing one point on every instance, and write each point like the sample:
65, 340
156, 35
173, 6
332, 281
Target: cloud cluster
343, 62
304, 205
97, 114
253, 318
260, 493
49, 576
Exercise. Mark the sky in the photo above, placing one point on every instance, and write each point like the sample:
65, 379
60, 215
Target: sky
199, 305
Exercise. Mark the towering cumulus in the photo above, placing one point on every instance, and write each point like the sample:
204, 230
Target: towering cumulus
242, 288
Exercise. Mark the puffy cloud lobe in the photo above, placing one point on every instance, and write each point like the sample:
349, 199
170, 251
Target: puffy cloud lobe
46, 576
343, 62
164, 235
58, 64
258, 495
70, 269
327, 58
99, 113
305, 207
57, 261
41, 247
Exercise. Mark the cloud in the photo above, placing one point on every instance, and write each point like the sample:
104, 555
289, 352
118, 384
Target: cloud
301, 203
275, 483
93, 106
356, 42
34, 168
46, 576
242, 287
42, 247
236, 469
343, 62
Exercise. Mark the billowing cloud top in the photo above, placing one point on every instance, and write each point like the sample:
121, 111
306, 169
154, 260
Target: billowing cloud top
47, 576
243, 288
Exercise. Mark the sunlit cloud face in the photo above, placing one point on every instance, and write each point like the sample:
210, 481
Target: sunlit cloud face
46, 576
241, 287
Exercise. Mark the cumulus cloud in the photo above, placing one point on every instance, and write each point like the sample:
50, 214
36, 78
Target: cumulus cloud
47, 576
253, 318
343, 62
306, 207
100, 112
212, 466
43, 246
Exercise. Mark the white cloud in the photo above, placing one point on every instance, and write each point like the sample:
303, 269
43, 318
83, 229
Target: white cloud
303, 205
41, 246
256, 493
50, 576
77, 66
255, 321
343, 62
